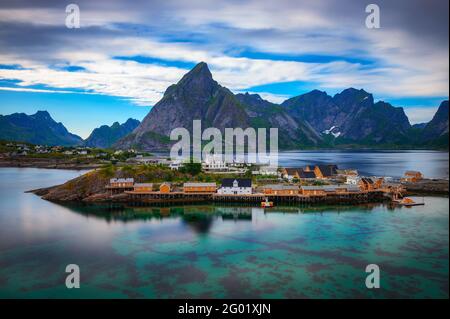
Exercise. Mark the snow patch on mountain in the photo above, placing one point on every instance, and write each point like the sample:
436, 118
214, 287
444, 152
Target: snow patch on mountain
333, 131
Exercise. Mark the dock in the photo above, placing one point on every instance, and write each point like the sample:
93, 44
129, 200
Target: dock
257, 198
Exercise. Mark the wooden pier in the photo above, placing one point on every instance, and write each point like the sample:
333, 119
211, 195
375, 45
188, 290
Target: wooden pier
182, 197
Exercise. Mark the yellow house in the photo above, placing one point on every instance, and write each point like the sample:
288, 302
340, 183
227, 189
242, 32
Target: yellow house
312, 190
412, 176
280, 189
199, 187
143, 187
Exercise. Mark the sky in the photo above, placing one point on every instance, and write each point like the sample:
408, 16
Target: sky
125, 54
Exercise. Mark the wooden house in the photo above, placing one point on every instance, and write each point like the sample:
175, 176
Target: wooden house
120, 185
366, 184
312, 190
325, 171
339, 189
143, 187
165, 188
199, 187
279, 189
290, 173
298, 173
121, 182
329, 189
378, 183
412, 176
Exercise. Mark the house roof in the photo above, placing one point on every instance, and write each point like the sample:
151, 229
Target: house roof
192, 184
242, 182
281, 187
367, 180
318, 187
328, 170
292, 170
332, 188
121, 180
143, 185
306, 174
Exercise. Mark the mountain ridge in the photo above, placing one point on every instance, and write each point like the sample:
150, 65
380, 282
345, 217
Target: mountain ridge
38, 128
105, 136
314, 119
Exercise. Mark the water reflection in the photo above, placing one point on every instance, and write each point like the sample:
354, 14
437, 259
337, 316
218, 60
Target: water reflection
200, 218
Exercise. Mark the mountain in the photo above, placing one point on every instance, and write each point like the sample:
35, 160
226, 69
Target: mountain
291, 132
436, 131
314, 119
351, 117
197, 96
38, 128
105, 136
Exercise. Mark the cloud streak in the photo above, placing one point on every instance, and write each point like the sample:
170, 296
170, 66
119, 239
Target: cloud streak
405, 58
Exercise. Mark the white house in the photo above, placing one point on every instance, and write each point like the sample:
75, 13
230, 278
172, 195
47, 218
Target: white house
352, 179
238, 186
214, 163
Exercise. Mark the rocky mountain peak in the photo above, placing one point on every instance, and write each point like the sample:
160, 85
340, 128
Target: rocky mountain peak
104, 136
197, 86
44, 115
315, 93
39, 128
200, 75
351, 96
438, 126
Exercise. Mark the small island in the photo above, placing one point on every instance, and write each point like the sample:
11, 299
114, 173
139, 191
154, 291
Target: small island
169, 182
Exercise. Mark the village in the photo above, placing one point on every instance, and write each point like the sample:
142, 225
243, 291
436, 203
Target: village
230, 181
310, 184
20, 154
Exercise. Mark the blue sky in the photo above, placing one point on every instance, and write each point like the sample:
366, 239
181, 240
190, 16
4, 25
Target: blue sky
121, 60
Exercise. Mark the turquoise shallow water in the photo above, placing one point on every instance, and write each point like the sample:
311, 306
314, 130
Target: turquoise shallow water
217, 251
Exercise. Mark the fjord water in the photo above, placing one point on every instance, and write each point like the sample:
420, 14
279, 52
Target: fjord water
433, 164
215, 250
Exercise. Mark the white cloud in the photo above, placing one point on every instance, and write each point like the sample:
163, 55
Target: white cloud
5, 88
401, 66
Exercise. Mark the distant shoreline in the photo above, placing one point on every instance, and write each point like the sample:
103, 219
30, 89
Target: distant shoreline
48, 164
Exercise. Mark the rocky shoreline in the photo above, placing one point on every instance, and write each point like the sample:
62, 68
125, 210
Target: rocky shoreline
90, 187
427, 187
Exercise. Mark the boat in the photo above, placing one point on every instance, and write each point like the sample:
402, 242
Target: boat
406, 201
266, 203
